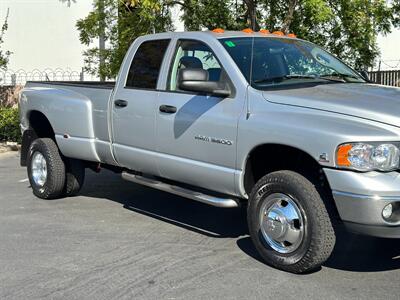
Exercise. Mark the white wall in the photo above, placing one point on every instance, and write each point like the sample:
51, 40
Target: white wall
390, 50
42, 33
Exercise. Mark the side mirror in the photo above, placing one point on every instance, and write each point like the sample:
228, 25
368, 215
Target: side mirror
196, 80
364, 74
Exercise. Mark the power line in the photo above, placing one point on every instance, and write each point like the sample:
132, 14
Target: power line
393, 64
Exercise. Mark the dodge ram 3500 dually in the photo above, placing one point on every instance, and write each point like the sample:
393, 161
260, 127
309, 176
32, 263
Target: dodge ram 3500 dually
230, 118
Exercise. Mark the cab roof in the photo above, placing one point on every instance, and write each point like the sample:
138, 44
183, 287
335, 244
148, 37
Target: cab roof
218, 35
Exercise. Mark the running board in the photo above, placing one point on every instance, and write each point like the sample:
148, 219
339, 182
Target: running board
183, 192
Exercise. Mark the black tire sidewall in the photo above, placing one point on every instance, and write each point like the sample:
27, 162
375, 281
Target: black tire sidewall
55, 169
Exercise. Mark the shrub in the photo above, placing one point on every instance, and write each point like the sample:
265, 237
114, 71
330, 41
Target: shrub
9, 95
9, 125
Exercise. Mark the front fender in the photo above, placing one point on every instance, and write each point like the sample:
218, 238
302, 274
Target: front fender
312, 131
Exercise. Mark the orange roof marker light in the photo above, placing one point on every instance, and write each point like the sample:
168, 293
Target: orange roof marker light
247, 30
278, 33
218, 30
264, 31
291, 35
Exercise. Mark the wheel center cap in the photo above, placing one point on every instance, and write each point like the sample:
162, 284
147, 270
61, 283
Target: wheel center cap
276, 225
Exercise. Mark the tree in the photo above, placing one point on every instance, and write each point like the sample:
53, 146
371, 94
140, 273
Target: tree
120, 22
4, 55
348, 28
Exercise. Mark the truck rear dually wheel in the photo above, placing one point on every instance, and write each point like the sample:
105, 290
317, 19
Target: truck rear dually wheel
46, 169
289, 223
75, 176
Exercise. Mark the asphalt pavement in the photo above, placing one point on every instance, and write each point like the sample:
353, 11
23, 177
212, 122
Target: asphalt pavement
119, 240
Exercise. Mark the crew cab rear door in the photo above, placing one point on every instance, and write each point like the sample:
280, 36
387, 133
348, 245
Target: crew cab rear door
197, 133
134, 106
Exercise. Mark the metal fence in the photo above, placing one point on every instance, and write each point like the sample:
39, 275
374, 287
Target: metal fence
20, 77
391, 77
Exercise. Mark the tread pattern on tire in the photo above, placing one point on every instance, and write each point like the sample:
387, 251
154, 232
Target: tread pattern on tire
323, 236
54, 184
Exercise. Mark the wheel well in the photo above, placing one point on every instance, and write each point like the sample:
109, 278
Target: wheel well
268, 158
39, 127
39, 123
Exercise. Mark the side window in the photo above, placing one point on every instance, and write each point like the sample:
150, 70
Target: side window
146, 64
193, 54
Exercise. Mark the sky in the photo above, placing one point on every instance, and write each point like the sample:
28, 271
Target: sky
42, 34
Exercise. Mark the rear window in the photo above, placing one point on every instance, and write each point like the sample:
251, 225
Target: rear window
146, 64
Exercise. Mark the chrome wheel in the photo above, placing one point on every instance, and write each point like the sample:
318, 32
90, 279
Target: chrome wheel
39, 169
282, 223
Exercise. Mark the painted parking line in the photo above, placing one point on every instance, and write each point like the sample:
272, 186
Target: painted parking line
23, 180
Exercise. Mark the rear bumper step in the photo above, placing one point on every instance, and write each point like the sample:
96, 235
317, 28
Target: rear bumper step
183, 192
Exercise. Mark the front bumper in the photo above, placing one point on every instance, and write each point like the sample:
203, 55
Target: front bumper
361, 197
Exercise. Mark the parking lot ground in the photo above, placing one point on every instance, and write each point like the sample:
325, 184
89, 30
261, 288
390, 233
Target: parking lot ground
118, 240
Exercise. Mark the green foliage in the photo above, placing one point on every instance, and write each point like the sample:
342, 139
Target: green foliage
4, 55
347, 28
120, 22
9, 125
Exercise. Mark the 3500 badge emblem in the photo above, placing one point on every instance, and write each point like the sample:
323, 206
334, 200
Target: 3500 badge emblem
213, 140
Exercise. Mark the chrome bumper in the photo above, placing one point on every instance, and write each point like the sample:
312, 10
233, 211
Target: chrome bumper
361, 197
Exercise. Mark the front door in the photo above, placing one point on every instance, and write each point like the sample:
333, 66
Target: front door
196, 134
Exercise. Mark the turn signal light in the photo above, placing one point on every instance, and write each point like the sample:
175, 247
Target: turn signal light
218, 30
343, 155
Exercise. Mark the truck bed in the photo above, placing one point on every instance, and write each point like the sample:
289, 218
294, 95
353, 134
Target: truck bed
79, 106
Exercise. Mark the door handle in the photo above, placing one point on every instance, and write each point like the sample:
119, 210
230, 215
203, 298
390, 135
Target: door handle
168, 109
121, 103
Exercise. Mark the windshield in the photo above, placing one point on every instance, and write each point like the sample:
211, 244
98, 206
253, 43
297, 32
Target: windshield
271, 62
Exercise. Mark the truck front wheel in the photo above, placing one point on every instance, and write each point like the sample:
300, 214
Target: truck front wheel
289, 223
46, 169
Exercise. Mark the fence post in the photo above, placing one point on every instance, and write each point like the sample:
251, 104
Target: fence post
82, 75
13, 79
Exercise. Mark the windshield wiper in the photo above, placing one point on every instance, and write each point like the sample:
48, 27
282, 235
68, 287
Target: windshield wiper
285, 77
340, 77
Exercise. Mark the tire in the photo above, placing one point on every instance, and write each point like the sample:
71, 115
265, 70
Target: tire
75, 176
309, 239
51, 185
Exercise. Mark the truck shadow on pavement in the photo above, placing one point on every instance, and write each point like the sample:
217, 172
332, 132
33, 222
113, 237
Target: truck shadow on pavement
352, 252
191, 215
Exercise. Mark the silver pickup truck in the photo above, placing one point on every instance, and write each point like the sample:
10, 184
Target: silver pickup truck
231, 118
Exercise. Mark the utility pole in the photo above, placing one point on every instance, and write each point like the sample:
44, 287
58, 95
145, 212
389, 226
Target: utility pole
102, 39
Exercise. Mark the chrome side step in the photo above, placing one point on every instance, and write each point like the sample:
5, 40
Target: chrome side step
173, 189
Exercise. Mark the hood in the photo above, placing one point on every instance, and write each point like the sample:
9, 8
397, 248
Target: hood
368, 101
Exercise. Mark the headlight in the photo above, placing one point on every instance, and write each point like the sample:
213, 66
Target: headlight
368, 156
